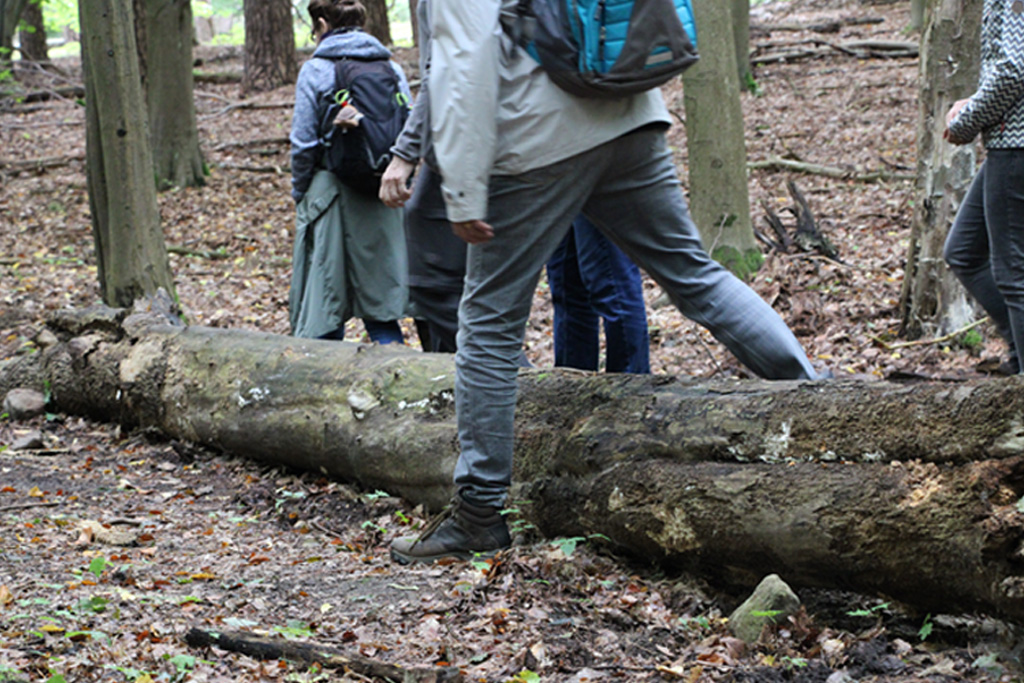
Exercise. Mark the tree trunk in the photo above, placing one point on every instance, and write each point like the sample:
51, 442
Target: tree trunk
413, 17
917, 12
719, 196
269, 45
907, 490
933, 302
741, 37
10, 15
131, 257
33, 37
377, 23
178, 161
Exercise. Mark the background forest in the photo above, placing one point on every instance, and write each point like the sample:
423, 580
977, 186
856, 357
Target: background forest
221, 543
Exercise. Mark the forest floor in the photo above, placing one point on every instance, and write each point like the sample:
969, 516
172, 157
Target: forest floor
225, 544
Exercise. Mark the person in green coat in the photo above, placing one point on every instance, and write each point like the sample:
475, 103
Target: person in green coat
350, 256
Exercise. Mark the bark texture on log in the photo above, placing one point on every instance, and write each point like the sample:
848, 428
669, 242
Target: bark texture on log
907, 490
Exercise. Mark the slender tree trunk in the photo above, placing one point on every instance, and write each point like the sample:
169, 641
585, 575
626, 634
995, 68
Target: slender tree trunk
741, 36
269, 45
917, 12
415, 22
907, 490
377, 23
719, 195
178, 161
131, 257
33, 37
10, 15
933, 301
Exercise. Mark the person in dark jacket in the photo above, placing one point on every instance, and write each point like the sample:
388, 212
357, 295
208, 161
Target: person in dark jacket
985, 247
350, 257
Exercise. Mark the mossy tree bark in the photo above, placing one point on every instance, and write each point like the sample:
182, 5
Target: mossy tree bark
130, 252
907, 490
932, 301
177, 159
719, 197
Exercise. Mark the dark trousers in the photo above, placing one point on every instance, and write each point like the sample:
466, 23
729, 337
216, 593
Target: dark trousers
592, 280
985, 247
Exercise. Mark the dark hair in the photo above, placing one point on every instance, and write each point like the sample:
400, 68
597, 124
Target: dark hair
337, 13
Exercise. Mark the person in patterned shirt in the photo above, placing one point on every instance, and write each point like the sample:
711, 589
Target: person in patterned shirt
985, 247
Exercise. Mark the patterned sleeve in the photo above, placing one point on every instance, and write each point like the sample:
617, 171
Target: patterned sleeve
1002, 85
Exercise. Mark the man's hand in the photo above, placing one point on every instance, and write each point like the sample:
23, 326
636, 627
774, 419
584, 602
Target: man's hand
474, 232
954, 111
394, 184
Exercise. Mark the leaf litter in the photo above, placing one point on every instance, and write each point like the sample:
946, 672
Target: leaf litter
212, 542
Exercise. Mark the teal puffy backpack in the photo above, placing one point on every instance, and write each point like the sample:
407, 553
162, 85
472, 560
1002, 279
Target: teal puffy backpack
608, 48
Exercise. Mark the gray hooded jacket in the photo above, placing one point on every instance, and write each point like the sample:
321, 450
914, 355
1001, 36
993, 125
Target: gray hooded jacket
315, 84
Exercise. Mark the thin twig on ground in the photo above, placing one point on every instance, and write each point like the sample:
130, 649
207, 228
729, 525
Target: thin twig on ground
926, 342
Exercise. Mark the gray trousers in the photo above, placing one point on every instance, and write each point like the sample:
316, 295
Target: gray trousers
628, 188
985, 247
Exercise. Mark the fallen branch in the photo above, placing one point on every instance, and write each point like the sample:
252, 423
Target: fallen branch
251, 168
217, 77
200, 253
780, 164
63, 93
861, 49
9, 261
25, 506
928, 342
817, 27
257, 142
264, 648
44, 163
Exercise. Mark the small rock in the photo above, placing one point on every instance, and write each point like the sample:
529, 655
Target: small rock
840, 677
771, 602
32, 441
24, 404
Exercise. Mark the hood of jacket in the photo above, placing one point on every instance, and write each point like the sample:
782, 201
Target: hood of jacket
356, 44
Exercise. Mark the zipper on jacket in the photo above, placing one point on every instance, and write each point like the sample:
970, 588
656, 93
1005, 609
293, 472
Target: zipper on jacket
602, 37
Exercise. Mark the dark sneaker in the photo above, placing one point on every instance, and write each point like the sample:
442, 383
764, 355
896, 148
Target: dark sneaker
463, 531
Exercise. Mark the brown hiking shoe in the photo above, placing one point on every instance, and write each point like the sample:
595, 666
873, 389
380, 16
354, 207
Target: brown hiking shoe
462, 531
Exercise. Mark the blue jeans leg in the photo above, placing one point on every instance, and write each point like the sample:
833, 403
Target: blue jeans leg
576, 325
384, 331
616, 293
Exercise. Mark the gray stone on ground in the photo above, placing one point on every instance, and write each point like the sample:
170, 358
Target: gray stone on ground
24, 404
33, 441
772, 602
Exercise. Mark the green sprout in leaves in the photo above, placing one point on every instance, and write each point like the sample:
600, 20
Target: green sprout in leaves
97, 565
867, 612
295, 629
926, 628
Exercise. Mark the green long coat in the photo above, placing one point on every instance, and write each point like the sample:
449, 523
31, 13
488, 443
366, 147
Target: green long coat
349, 259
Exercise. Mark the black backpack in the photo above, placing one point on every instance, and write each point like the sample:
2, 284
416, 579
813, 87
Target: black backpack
358, 156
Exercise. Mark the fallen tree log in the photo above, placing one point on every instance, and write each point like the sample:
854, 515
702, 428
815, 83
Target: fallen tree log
912, 491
